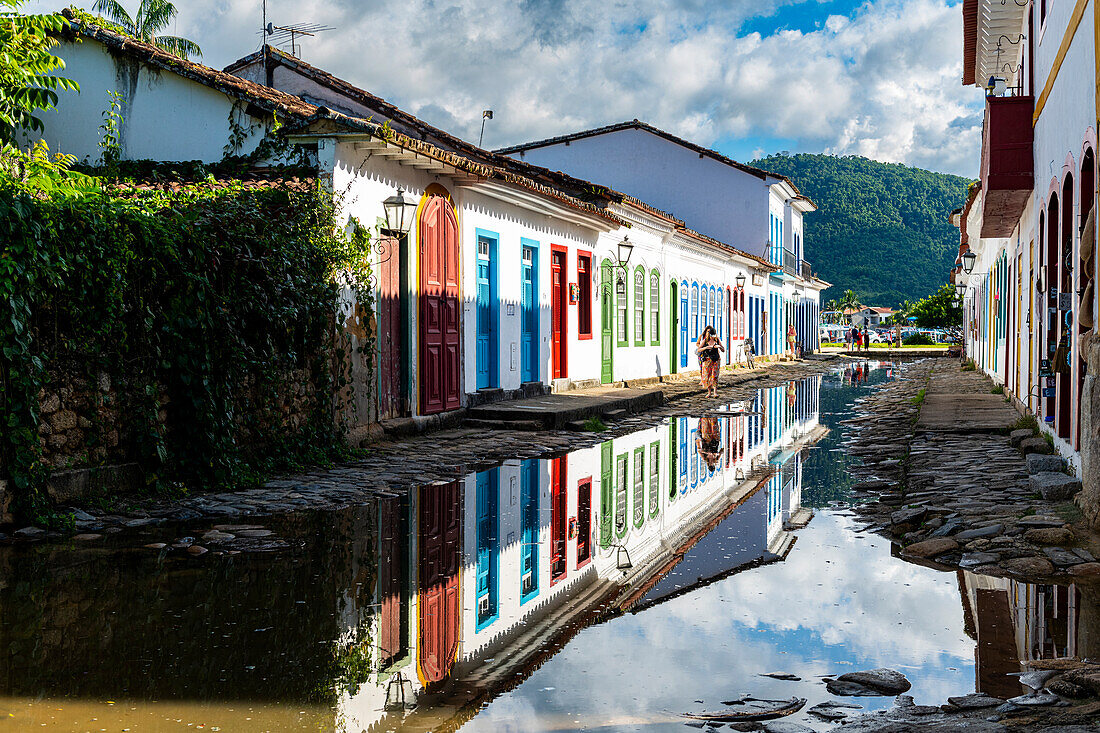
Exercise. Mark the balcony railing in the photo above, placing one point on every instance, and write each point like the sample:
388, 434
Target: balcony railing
790, 262
805, 271
1008, 171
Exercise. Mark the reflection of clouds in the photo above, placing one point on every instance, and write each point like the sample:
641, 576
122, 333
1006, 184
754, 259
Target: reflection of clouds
838, 603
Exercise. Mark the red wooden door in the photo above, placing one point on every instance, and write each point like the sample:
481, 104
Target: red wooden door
558, 510
558, 302
440, 605
439, 307
391, 566
391, 382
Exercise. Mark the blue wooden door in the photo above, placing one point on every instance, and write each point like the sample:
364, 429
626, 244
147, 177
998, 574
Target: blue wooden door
486, 356
488, 545
529, 342
529, 531
684, 325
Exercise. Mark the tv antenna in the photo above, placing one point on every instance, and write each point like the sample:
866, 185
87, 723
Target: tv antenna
280, 34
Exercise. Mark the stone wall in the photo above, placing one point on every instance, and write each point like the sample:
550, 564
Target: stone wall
1089, 497
91, 431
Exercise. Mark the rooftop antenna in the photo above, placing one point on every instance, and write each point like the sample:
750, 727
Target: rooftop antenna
485, 115
283, 33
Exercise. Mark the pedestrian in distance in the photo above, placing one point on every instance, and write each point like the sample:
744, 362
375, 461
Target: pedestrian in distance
748, 346
710, 360
792, 339
866, 339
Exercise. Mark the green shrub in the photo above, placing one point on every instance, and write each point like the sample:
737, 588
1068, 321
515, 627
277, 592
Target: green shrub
997, 389
917, 339
594, 424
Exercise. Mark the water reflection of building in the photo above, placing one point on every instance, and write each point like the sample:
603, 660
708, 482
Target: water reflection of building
1015, 623
507, 564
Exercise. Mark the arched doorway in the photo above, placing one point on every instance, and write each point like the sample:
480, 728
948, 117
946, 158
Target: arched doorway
440, 604
1062, 422
607, 322
1085, 270
440, 294
1050, 339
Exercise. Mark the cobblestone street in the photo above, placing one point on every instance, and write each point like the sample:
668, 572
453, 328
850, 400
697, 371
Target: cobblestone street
393, 466
962, 496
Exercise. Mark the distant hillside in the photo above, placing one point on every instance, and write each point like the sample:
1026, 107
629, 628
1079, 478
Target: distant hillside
881, 229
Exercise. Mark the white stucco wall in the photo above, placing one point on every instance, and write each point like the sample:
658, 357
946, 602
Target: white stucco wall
165, 116
712, 197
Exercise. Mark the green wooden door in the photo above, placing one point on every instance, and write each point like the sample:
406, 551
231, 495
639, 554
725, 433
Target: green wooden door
607, 494
607, 322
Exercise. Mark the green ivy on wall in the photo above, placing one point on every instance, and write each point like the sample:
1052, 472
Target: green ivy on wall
197, 301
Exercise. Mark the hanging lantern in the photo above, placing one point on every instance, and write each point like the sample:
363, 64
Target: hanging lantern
399, 212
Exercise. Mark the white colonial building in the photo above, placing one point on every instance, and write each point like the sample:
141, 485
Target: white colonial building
1025, 267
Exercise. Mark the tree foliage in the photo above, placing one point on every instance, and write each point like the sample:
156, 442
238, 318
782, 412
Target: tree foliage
28, 84
881, 229
939, 310
151, 18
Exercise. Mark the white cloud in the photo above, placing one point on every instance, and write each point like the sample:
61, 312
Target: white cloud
883, 82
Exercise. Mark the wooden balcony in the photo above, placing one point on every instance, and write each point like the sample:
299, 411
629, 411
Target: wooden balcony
1008, 168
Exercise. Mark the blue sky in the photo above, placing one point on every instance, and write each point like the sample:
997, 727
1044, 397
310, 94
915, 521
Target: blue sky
877, 78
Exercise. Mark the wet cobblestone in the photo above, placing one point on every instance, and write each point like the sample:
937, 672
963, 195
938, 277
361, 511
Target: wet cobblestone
956, 499
394, 466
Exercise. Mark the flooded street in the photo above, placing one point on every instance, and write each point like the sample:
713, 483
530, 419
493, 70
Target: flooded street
612, 588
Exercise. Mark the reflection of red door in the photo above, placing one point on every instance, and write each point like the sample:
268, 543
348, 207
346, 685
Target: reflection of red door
558, 302
391, 387
439, 306
390, 572
440, 606
558, 510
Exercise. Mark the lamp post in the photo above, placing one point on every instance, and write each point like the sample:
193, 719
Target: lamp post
740, 280
399, 210
969, 258
624, 250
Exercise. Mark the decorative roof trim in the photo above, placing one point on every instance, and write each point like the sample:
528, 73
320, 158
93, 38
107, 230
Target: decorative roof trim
268, 99
344, 126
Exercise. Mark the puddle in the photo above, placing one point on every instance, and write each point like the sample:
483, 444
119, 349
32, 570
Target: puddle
610, 589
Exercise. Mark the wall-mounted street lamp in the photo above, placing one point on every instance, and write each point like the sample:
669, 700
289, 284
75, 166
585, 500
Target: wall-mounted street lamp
969, 258
740, 280
622, 559
625, 249
399, 213
399, 693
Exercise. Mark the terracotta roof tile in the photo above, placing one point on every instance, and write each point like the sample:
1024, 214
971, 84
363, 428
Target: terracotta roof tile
271, 100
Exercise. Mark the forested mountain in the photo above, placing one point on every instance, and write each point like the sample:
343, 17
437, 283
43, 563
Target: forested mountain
881, 229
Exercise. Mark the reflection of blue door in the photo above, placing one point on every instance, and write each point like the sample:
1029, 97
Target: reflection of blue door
488, 547
529, 531
486, 305
683, 455
684, 325
529, 343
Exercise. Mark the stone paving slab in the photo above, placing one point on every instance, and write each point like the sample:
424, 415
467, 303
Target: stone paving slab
553, 411
965, 413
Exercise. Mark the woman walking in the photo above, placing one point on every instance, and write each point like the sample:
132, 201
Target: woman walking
708, 348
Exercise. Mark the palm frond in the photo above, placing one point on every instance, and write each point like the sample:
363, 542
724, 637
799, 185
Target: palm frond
154, 16
113, 10
181, 47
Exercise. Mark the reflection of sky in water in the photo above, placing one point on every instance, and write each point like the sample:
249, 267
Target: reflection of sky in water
839, 603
